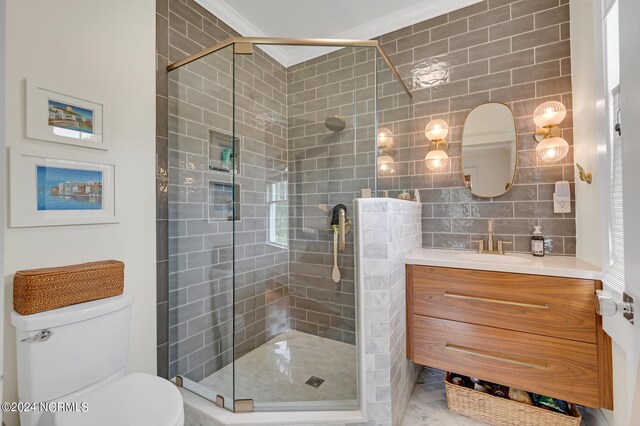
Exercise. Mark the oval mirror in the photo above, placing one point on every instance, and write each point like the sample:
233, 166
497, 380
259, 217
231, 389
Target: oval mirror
489, 149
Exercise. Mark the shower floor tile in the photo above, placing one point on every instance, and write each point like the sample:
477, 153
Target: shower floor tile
278, 371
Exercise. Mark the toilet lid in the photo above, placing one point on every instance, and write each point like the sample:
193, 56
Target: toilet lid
135, 400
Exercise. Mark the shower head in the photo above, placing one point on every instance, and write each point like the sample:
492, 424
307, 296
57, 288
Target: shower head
335, 123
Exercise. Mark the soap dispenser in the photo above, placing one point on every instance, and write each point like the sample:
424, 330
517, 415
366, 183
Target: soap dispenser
537, 242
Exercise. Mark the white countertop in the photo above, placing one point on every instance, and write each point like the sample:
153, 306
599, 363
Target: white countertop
555, 266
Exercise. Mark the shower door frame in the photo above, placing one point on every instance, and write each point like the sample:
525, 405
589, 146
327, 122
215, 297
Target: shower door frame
244, 46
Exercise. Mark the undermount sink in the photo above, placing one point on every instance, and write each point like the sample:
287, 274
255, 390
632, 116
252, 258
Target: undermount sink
494, 258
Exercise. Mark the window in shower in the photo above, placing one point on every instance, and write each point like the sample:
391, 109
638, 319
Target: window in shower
278, 214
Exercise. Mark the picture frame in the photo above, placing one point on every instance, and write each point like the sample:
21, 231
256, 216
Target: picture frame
62, 118
53, 188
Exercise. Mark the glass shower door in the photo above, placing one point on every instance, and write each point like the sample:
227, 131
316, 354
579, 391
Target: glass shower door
308, 145
263, 158
203, 209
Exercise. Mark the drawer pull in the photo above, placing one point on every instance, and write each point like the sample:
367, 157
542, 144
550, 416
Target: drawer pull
490, 300
469, 351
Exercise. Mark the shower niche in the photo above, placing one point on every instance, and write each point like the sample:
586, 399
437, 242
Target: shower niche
224, 201
254, 170
224, 152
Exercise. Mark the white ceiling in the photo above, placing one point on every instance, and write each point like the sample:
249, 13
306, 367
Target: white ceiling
346, 19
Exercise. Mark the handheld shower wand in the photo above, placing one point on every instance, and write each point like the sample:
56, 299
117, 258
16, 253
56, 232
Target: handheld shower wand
338, 222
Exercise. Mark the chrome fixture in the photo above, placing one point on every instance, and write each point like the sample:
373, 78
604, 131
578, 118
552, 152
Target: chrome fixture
490, 245
41, 336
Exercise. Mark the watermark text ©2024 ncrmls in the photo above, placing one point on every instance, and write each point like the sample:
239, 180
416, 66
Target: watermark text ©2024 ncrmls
45, 407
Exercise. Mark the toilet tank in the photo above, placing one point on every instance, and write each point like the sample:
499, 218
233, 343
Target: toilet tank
88, 343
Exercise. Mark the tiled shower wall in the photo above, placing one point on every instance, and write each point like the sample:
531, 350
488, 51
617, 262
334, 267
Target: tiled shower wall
195, 268
327, 168
515, 52
204, 253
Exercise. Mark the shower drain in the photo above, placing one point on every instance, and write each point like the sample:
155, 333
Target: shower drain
314, 381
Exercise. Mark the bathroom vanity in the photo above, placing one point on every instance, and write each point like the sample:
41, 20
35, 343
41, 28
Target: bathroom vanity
516, 320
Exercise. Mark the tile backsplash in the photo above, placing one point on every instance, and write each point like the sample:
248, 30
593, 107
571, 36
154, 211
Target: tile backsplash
514, 52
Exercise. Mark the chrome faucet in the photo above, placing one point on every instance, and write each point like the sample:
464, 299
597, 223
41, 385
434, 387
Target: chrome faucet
490, 245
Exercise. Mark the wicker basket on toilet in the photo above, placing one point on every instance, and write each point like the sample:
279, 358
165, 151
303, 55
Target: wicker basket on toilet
38, 290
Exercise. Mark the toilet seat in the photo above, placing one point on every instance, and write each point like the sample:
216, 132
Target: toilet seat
135, 400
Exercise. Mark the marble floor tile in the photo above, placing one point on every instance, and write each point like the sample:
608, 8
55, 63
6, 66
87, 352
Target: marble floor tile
278, 371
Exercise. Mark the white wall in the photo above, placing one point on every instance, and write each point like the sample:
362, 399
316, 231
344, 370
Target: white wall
2, 167
104, 49
587, 133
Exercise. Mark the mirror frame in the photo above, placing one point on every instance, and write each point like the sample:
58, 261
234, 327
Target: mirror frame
515, 166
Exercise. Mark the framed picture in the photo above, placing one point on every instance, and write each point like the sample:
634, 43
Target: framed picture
58, 117
49, 188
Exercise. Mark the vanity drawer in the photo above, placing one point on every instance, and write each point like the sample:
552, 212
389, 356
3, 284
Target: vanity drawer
550, 306
559, 368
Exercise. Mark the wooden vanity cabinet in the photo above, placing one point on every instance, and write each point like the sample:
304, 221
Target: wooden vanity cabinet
536, 333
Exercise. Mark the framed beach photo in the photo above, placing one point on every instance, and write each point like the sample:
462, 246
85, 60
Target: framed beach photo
57, 117
50, 189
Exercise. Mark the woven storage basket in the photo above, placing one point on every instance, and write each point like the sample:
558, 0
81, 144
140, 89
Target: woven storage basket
38, 290
501, 411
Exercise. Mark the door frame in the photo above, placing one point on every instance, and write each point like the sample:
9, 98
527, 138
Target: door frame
625, 335
630, 113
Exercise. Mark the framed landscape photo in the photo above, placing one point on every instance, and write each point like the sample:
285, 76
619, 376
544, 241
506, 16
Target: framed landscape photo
57, 117
49, 189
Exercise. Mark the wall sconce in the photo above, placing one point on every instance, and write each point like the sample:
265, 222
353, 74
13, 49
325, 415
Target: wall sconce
437, 158
385, 137
385, 151
551, 147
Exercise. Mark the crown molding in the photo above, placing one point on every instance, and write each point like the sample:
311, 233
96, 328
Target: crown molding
384, 25
221, 10
427, 9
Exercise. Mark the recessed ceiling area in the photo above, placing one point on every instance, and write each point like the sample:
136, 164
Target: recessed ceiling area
343, 19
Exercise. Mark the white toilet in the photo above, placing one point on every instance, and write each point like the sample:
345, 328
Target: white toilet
79, 354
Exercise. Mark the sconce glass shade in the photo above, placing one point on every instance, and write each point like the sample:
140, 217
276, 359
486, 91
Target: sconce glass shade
385, 137
549, 114
436, 130
436, 160
385, 163
551, 150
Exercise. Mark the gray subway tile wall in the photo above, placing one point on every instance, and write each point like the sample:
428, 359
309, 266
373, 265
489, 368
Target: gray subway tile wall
203, 247
327, 168
514, 52
195, 254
